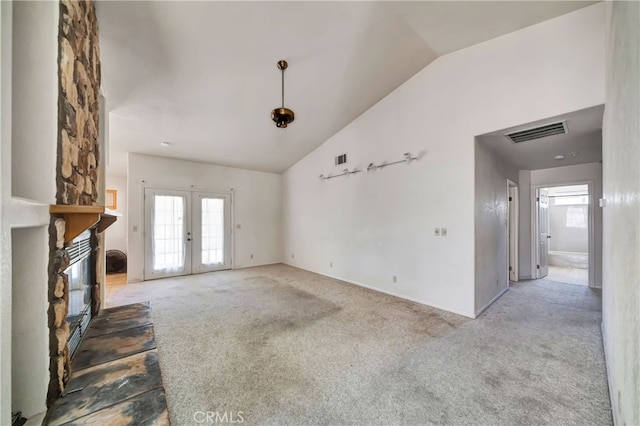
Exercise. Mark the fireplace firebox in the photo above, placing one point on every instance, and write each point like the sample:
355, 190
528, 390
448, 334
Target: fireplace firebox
80, 273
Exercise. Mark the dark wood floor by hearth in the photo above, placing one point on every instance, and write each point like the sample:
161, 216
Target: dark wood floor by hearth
115, 373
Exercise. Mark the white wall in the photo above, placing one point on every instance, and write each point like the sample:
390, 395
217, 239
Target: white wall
116, 234
563, 175
35, 97
621, 262
33, 156
491, 220
256, 206
6, 25
374, 226
30, 337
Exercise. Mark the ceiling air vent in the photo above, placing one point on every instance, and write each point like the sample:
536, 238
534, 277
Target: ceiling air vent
558, 128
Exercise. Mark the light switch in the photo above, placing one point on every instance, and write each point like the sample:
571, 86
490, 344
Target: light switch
437, 232
238, 226
443, 232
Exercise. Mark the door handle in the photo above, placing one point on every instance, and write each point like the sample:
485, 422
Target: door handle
188, 239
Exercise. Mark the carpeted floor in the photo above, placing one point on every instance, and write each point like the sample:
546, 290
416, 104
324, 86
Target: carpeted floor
278, 345
561, 274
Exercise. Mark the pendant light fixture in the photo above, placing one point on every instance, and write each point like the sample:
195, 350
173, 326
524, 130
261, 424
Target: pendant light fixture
282, 116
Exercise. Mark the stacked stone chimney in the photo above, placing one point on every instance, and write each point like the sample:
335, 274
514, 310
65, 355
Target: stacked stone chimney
77, 166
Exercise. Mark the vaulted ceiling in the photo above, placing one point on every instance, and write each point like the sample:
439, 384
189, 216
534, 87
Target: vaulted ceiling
202, 75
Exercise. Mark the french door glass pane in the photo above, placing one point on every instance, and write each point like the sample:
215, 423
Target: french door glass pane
168, 233
212, 231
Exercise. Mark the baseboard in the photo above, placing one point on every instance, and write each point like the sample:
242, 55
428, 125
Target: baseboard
412, 299
256, 265
498, 296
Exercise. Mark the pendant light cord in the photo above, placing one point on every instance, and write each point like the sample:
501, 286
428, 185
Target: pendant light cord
282, 88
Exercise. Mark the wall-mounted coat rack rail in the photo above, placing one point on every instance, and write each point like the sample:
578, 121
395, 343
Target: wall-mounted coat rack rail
371, 167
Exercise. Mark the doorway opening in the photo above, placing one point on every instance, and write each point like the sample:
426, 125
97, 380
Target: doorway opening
564, 224
512, 231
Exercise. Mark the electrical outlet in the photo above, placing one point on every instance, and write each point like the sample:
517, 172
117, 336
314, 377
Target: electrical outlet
293, 255
395, 279
238, 226
252, 256
135, 228
443, 232
437, 232
497, 282
331, 264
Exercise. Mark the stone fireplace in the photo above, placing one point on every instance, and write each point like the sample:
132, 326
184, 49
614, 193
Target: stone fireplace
75, 288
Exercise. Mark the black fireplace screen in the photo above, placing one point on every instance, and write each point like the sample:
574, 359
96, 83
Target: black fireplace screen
80, 272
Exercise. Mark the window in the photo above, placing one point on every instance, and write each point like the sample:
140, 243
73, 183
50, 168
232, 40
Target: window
168, 232
570, 200
577, 217
212, 231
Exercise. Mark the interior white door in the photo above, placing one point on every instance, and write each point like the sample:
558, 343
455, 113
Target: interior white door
513, 233
211, 243
542, 200
167, 233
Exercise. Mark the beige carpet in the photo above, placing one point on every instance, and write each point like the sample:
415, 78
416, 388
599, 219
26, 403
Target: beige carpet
277, 345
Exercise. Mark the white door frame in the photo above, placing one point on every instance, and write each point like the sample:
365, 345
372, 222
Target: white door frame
542, 272
513, 205
591, 225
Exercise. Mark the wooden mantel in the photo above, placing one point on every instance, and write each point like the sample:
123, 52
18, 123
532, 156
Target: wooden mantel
80, 218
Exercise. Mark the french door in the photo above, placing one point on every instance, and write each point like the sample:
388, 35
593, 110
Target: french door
186, 232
